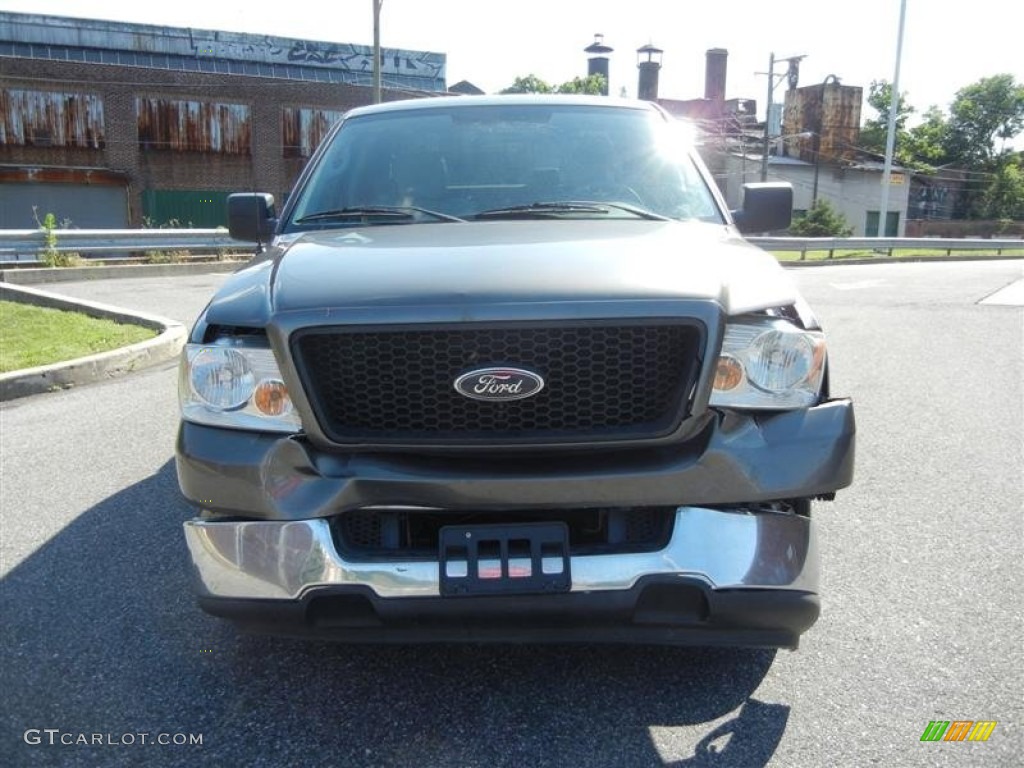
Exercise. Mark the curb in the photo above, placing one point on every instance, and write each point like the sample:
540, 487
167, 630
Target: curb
99, 367
891, 260
36, 275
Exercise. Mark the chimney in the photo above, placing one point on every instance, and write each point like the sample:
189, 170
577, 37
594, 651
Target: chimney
648, 61
714, 74
597, 64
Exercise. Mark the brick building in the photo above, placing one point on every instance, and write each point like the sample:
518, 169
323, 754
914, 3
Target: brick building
108, 124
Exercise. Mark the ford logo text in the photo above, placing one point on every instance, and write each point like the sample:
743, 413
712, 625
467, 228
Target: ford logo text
499, 384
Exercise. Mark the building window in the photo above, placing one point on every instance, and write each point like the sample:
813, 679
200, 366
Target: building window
51, 119
304, 129
194, 126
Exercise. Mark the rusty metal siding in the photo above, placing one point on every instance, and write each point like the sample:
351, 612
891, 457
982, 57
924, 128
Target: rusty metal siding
51, 119
304, 128
194, 126
831, 110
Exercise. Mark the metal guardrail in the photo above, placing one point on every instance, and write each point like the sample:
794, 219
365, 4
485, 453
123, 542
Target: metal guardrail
26, 244
887, 244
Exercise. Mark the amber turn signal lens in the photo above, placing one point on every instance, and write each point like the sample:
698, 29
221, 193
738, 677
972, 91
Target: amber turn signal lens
728, 373
271, 398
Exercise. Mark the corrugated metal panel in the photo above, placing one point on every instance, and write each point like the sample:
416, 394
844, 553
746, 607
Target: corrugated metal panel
194, 126
832, 110
189, 208
303, 129
51, 119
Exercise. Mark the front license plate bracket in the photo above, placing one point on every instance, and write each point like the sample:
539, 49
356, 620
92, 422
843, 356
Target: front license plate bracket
515, 559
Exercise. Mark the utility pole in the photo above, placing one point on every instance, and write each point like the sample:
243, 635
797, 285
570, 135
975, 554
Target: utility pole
376, 50
890, 138
793, 62
768, 115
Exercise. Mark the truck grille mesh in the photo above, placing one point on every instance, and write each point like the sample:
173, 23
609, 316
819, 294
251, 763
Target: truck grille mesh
601, 382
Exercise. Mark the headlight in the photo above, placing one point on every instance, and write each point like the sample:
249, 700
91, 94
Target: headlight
769, 365
237, 387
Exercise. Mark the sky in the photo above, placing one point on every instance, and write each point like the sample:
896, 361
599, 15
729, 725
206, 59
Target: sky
489, 42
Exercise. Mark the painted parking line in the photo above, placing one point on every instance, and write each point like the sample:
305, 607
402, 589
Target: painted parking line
1010, 296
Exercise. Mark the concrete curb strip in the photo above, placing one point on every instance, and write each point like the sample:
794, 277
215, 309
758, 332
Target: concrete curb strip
99, 367
35, 275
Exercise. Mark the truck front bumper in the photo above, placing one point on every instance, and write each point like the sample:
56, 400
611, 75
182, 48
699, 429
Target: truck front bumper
735, 459
731, 572
725, 576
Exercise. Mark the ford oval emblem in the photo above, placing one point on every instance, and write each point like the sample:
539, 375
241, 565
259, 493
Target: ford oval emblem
499, 384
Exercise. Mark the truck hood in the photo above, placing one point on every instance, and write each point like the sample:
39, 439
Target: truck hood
452, 264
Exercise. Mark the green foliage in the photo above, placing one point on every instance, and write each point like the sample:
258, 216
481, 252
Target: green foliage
529, 84
822, 220
920, 147
981, 113
148, 222
875, 131
1004, 196
983, 117
925, 142
593, 84
168, 257
50, 255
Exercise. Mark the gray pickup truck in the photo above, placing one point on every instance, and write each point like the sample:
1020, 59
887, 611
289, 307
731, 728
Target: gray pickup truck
505, 369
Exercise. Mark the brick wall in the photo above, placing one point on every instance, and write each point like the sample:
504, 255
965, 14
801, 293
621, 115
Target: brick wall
964, 228
266, 169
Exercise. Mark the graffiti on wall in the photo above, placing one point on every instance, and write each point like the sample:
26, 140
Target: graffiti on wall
344, 56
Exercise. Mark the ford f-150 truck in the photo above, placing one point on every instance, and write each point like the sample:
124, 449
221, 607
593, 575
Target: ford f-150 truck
505, 369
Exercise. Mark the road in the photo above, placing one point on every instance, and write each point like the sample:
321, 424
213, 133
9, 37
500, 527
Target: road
923, 592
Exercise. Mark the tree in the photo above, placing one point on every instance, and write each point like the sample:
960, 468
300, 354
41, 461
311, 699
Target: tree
529, 84
926, 141
921, 147
875, 131
821, 221
1004, 196
593, 84
981, 113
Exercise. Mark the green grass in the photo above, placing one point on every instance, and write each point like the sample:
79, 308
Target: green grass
899, 253
31, 336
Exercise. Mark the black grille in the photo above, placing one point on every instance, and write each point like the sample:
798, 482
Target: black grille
601, 382
370, 533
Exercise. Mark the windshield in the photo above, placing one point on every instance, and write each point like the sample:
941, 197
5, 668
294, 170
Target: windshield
516, 161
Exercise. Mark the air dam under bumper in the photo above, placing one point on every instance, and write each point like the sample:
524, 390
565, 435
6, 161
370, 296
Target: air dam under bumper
726, 576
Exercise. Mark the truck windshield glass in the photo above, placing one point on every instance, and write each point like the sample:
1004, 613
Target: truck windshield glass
467, 161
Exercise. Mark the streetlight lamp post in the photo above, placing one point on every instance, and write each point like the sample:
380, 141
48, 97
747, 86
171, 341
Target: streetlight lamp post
376, 50
890, 138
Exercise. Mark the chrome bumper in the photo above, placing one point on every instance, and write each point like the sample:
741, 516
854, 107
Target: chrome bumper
280, 560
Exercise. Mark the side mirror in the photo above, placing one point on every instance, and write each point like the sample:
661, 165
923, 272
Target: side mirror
767, 206
251, 216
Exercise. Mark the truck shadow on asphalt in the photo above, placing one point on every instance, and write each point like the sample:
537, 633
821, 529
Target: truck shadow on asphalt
101, 635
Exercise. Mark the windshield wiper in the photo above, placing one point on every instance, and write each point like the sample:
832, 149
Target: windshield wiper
542, 209
393, 212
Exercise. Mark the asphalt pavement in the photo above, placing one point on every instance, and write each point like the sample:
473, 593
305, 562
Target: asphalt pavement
923, 592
